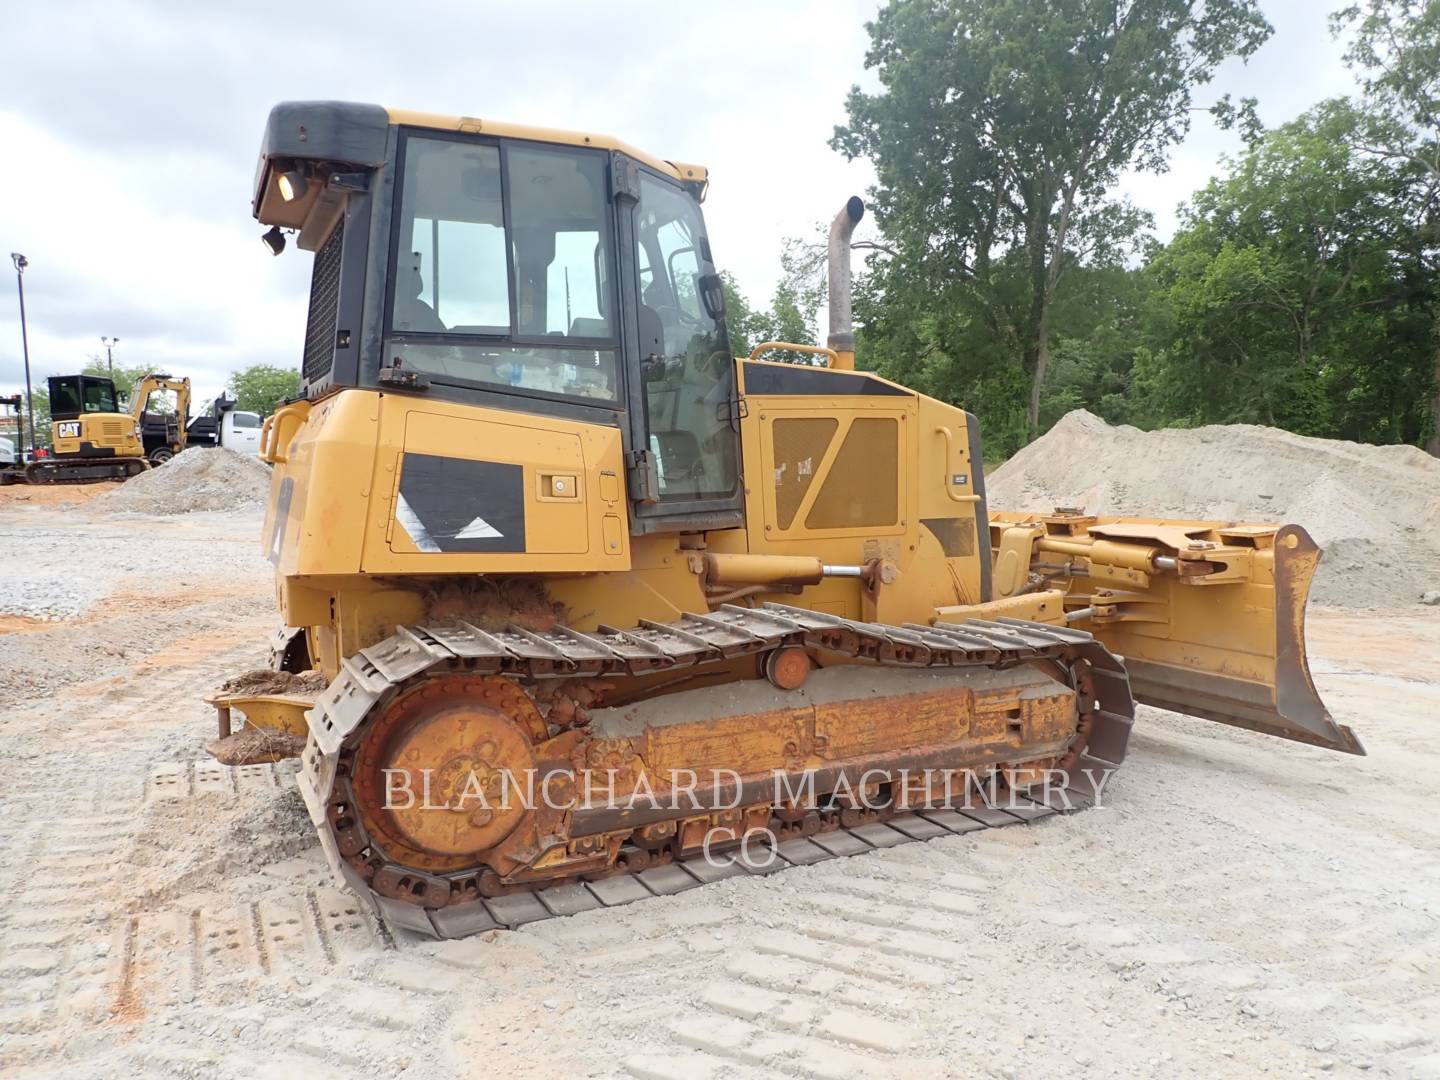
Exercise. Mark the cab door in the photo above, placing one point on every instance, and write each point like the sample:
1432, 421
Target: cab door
684, 466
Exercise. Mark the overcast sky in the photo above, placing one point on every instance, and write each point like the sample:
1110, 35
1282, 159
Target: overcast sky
130, 131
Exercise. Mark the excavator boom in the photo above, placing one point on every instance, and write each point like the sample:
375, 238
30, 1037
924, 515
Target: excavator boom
157, 382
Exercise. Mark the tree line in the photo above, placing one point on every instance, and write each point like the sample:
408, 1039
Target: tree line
1300, 289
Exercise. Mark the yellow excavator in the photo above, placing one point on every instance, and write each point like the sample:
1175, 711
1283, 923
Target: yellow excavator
94, 436
594, 602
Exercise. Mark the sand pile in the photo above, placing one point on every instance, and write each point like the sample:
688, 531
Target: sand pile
1374, 509
200, 478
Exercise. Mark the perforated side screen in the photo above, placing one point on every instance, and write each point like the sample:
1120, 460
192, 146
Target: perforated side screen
862, 487
799, 445
324, 308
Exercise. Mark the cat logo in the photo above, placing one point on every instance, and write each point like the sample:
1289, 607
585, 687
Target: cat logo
69, 429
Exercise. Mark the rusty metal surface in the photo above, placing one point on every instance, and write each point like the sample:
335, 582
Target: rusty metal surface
473, 671
557, 901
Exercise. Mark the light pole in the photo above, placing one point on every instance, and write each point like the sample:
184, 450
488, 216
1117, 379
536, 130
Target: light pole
109, 343
20, 264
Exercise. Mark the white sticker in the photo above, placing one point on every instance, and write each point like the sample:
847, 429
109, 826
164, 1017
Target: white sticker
411, 523
479, 529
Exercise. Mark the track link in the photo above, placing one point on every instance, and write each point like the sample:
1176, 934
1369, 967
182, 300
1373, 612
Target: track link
371, 679
85, 471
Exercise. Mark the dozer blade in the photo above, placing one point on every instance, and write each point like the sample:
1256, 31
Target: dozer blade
1214, 628
1269, 690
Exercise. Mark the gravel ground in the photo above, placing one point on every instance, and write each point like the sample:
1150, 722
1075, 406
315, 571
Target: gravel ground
1241, 905
122, 594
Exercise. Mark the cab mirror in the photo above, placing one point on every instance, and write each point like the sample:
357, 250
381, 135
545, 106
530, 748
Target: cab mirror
712, 295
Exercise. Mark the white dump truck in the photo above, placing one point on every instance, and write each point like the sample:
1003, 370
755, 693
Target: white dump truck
224, 425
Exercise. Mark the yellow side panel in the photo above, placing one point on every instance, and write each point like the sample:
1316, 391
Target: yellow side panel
562, 508
834, 476
105, 431
946, 487
554, 524
333, 498
319, 495
852, 476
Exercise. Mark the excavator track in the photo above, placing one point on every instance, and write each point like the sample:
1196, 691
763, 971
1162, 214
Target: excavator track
473, 900
90, 471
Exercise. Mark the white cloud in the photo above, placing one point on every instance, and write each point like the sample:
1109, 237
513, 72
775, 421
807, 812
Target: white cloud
109, 255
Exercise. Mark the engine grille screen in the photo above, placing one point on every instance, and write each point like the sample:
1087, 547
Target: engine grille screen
800, 444
324, 308
862, 487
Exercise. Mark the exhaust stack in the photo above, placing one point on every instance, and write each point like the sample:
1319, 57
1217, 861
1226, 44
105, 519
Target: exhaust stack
842, 336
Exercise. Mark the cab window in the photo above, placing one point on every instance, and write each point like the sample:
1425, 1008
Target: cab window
99, 396
65, 397
72, 395
503, 269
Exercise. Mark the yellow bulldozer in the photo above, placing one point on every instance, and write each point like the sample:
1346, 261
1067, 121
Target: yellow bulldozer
94, 436
594, 603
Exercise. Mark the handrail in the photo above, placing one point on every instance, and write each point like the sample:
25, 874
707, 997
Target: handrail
275, 426
969, 497
817, 350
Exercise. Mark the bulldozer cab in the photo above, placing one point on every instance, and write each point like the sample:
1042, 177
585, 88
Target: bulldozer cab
521, 273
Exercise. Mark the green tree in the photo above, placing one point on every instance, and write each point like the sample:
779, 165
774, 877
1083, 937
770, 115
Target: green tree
798, 296
999, 130
262, 387
1295, 293
746, 326
1395, 52
1101, 318
791, 315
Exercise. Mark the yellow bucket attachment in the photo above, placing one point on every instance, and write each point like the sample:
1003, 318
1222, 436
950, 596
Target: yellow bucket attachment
1208, 616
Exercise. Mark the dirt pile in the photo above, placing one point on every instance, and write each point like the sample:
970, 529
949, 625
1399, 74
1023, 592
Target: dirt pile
198, 479
255, 746
266, 681
1374, 509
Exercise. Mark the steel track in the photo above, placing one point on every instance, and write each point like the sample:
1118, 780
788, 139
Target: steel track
55, 475
371, 679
